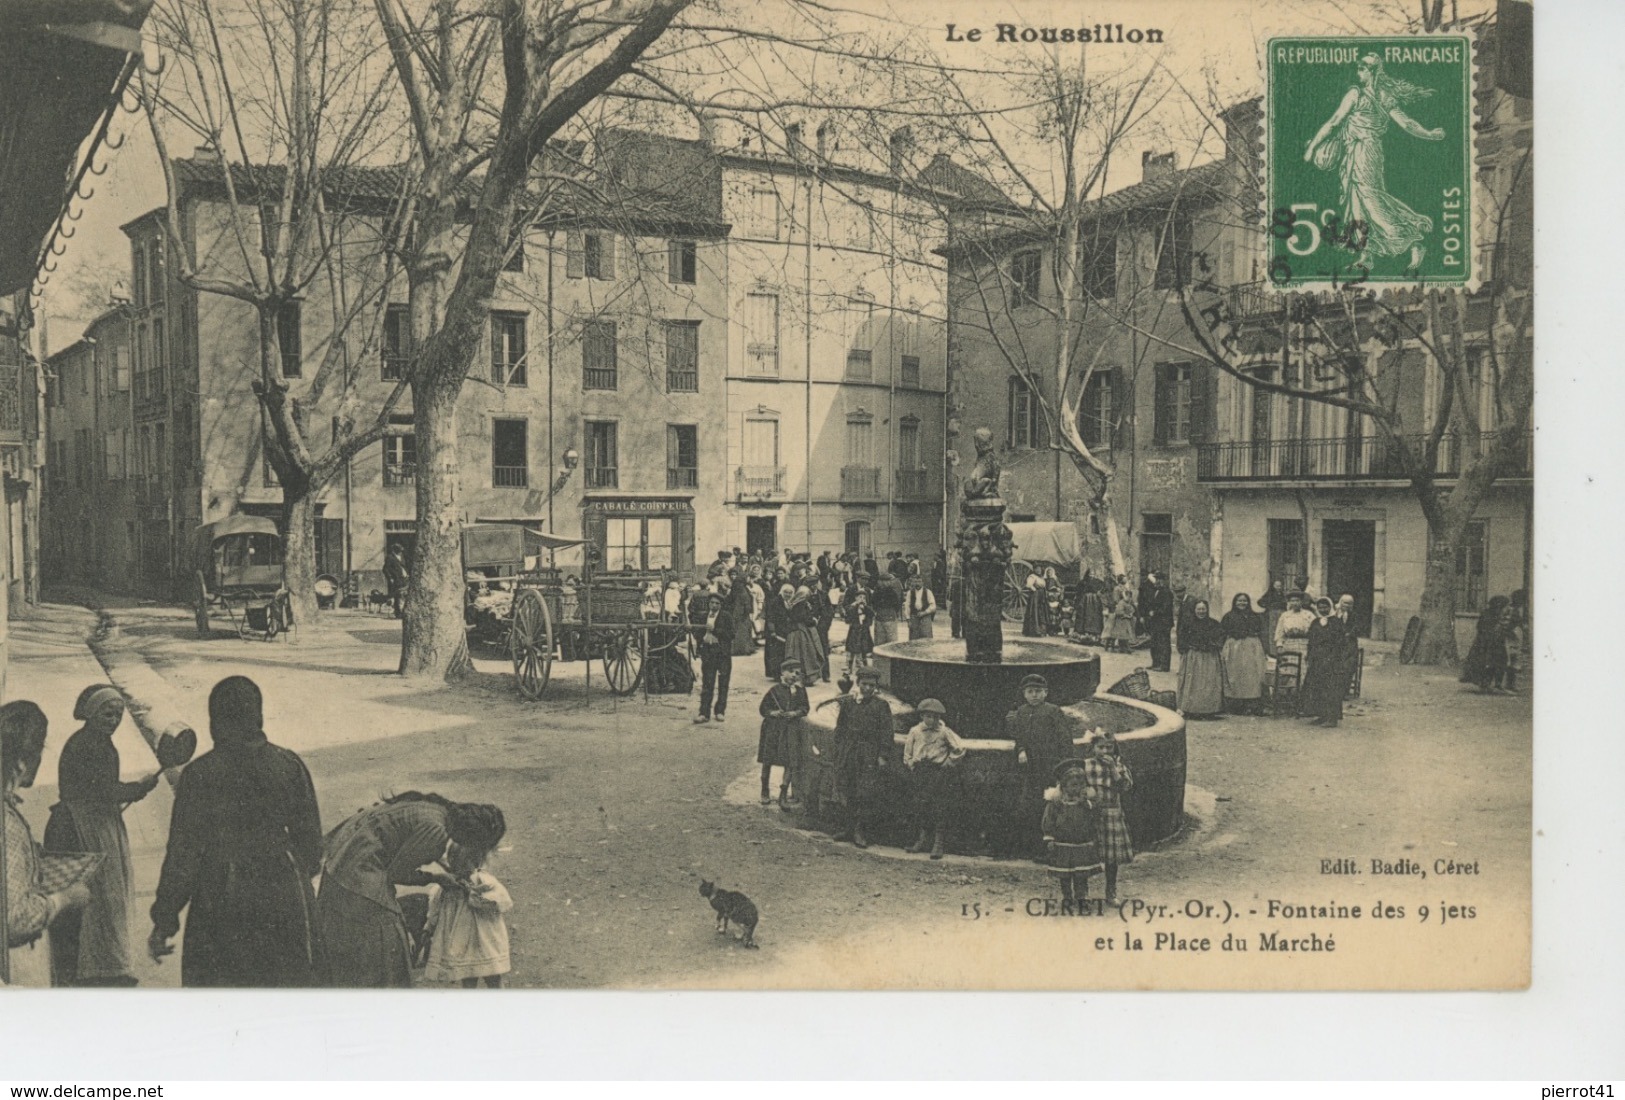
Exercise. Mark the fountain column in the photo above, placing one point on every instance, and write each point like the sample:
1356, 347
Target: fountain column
984, 555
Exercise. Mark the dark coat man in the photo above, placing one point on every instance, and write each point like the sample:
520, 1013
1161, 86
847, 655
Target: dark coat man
396, 577
716, 660
775, 630
1158, 609
245, 839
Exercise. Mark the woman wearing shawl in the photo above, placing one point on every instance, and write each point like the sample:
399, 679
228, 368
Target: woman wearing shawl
1243, 659
1201, 689
1035, 622
245, 840
1486, 662
776, 629
93, 947
1327, 680
801, 645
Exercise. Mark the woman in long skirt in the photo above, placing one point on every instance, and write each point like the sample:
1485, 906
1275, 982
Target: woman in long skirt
1243, 659
1035, 619
93, 948
802, 643
1201, 693
1121, 635
1327, 680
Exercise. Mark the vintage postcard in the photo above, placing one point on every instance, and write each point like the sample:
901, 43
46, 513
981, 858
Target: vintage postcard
657, 495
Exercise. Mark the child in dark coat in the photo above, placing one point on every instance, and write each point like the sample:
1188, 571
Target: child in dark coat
782, 709
1071, 834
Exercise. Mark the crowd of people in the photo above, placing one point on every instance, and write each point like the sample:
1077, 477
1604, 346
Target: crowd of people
244, 853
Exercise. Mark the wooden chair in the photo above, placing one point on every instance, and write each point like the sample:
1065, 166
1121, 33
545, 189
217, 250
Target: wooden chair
1285, 682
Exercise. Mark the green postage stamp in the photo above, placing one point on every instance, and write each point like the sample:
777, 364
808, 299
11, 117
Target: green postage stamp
1370, 161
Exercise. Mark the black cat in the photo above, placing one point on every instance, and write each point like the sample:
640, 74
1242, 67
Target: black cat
732, 906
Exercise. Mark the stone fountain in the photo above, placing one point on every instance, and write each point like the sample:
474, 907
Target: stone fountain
979, 682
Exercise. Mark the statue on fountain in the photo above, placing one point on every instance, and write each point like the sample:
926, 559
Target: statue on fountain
985, 551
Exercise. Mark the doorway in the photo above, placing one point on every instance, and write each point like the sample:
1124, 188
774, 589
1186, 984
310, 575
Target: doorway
1351, 560
762, 536
857, 538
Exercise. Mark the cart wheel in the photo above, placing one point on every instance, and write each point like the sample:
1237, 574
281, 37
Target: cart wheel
530, 643
202, 608
1015, 591
623, 661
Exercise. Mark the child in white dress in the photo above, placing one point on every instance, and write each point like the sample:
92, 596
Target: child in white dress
470, 933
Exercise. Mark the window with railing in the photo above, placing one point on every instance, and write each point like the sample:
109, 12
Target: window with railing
682, 456
599, 368
682, 356
762, 332
1472, 568
400, 453
601, 461
510, 456
508, 339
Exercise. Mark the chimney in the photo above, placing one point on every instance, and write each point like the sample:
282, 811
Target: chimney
793, 143
1155, 165
1243, 132
902, 150
826, 139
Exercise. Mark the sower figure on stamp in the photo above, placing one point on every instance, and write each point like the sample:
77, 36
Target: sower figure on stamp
863, 736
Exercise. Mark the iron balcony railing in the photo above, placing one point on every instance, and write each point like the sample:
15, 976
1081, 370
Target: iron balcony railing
510, 477
603, 477
397, 474
860, 483
1351, 458
759, 481
911, 484
682, 477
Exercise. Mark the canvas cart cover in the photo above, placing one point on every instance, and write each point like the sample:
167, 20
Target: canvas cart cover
1056, 543
237, 524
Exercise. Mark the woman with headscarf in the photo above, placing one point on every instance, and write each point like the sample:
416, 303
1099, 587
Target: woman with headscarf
1242, 661
245, 840
1327, 679
93, 947
776, 629
801, 644
1201, 687
358, 917
30, 907
1035, 619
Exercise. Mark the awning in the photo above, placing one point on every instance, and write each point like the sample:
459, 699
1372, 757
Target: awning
1055, 543
239, 523
533, 533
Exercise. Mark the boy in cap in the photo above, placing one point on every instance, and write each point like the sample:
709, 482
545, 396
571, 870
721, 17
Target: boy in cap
863, 736
1043, 734
930, 753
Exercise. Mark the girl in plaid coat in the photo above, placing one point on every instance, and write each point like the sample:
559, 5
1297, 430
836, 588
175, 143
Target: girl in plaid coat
1108, 777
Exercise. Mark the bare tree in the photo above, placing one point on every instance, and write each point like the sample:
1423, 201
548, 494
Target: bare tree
287, 111
553, 60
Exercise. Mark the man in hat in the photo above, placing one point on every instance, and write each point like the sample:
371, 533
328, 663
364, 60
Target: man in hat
396, 577
1043, 736
245, 840
716, 659
863, 737
1158, 609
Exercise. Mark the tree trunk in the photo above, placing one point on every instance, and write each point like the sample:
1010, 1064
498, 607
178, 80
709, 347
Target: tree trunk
299, 553
1437, 643
434, 643
1114, 541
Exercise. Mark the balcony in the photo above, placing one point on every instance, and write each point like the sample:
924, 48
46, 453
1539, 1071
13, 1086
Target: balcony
860, 483
1255, 301
759, 482
912, 485
401, 474
603, 477
510, 477
1352, 459
682, 477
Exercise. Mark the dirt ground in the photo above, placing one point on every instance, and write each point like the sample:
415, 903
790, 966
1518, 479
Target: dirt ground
617, 808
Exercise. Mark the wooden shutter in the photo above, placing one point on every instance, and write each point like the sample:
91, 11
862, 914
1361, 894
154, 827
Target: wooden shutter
674, 261
682, 550
1163, 413
606, 255
575, 256
498, 366
1202, 402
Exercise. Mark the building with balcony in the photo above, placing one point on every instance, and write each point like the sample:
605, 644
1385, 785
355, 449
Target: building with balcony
837, 362
1302, 490
607, 339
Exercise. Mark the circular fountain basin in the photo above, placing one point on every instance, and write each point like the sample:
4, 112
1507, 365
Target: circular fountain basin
979, 696
1151, 741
